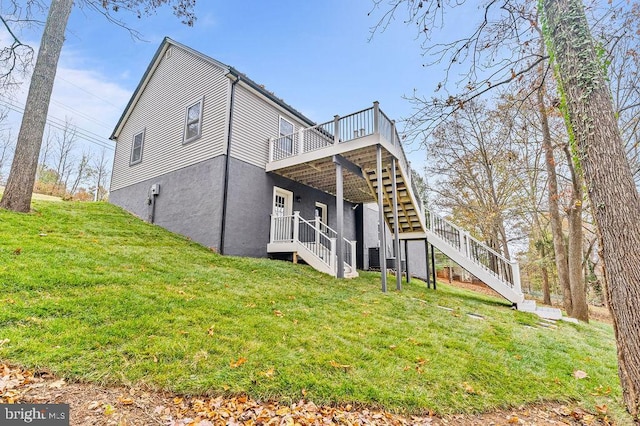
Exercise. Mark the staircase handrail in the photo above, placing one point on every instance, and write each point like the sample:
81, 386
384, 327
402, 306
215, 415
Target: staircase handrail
431, 213
506, 270
350, 250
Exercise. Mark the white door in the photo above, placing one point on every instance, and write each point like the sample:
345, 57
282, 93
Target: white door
282, 215
321, 212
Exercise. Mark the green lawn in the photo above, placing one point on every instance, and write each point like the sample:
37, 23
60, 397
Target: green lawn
94, 294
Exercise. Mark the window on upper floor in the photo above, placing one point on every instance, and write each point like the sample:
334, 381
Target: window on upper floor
136, 148
286, 136
193, 121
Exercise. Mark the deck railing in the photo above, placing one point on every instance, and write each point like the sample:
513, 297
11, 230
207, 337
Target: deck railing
315, 236
506, 270
367, 122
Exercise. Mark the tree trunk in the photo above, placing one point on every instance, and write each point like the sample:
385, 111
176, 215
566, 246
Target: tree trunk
546, 292
17, 194
614, 198
575, 243
562, 263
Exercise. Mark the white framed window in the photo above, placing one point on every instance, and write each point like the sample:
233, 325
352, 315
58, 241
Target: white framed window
285, 141
136, 148
193, 121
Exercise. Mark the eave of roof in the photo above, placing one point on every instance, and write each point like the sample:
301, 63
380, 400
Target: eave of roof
230, 70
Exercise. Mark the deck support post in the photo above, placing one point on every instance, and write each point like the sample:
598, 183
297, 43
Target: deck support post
433, 266
340, 220
406, 260
396, 227
381, 227
426, 251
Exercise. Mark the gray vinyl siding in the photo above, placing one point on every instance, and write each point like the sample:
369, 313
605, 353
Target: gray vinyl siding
176, 83
255, 120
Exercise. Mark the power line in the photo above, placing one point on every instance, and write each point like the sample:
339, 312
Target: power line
92, 94
81, 114
59, 124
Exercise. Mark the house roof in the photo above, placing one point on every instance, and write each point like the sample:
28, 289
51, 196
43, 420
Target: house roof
166, 42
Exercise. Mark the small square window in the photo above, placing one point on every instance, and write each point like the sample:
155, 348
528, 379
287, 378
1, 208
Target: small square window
136, 148
193, 122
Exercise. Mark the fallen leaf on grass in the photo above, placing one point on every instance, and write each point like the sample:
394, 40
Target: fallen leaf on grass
269, 373
579, 374
334, 364
278, 313
17, 251
601, 390
238, 363
210, 331
602, 409
468, 388
514, 420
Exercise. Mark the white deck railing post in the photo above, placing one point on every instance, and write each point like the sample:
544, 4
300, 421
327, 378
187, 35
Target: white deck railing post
393, 132
376, 117
271, 142
300, 141
515, 270
353, 255
273, 228
332, 256
296, 226
336, 129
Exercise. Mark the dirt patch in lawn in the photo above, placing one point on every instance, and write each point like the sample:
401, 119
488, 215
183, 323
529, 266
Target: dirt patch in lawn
100, 405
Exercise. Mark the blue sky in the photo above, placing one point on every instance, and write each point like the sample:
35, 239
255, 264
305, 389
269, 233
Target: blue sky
315, 55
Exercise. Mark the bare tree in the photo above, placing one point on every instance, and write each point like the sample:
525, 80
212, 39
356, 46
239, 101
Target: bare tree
82, 173
477, 171
17, 195
64, 142
100, 174
6, 149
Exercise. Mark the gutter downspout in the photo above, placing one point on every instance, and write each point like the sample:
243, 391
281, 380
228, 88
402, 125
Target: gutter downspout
225, 194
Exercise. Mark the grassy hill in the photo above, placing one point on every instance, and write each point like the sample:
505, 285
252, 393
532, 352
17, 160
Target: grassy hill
94, 294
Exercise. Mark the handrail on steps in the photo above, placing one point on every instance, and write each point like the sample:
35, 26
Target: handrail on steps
310, 235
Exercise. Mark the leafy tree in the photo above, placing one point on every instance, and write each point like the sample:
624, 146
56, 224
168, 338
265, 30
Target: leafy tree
17, 195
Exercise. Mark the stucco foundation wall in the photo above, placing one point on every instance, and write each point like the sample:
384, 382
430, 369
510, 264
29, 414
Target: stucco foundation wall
250, 202
189, 203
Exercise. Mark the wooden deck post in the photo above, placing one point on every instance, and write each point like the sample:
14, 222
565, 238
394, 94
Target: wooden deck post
340, 219
396, 227
381, 234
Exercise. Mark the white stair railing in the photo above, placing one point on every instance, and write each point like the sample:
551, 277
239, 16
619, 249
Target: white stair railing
507, 271
313, 237
349, 247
